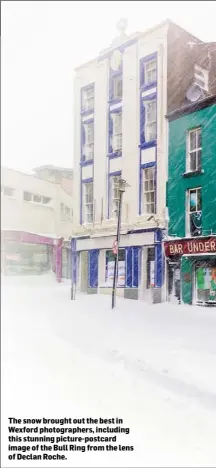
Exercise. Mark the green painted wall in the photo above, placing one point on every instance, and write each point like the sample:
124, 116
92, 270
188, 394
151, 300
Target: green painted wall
186, 274
177, 184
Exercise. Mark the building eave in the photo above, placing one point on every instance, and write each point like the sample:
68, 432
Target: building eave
190, 108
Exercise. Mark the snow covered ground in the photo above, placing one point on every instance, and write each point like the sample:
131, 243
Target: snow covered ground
154, 366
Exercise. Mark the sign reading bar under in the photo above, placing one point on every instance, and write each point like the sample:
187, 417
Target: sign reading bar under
190, 246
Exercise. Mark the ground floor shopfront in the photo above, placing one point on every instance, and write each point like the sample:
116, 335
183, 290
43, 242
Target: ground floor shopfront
191, 270
140, 264
25, 253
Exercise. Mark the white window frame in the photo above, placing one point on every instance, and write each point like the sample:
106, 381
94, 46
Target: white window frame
152, 64
89, 145
114, 196
63, 210
88, 98
196, 150
148, 207
150, 123
87, 203
116, 80
201, 77
188, 211
117, 131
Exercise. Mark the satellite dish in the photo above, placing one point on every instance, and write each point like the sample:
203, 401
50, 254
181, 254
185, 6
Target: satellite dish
194, 93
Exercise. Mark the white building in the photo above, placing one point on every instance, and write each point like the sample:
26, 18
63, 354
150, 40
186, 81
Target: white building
121, 99
35, 205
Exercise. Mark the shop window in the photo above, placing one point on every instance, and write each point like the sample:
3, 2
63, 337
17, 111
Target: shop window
109, 272
150, 267
194, 214
194, 153
206, 282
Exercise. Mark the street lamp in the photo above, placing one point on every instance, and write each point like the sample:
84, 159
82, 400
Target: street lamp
122, 185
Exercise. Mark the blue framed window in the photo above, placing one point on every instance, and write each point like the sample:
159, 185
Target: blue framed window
148, 120
148, 72
148, 188
87, 141
113, 194
115, 132
87, 98
87, 202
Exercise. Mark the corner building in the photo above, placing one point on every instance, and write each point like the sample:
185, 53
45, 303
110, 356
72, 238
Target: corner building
121, 99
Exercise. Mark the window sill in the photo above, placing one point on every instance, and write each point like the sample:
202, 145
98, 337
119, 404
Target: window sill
87, 112
146, 87
114, 155
148, 144
193, 173
86, 163
115, 100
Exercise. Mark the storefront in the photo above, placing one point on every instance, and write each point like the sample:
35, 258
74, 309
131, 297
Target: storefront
25, 253
191, 267
140, 269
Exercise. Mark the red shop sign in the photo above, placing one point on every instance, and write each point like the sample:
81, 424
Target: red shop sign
190, 246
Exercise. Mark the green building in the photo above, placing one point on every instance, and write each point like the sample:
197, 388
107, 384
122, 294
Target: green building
190, 248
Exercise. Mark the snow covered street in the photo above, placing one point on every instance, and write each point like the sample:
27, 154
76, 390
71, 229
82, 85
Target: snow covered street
154, 366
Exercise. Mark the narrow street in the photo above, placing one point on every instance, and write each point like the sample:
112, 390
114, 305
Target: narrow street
152, 366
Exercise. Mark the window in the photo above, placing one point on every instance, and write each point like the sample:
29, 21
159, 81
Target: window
194, 220
88, 202
35, 198
117, 87
88, 98
150, 267
205, 281
109, 272
27, 196
89, 149
148, 205
194, 149
117, 131
114, 196
150, 120
150, 72
66, 211
8, 191
201, 77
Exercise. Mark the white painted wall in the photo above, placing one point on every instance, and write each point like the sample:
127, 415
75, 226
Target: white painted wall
98, 72
18, 214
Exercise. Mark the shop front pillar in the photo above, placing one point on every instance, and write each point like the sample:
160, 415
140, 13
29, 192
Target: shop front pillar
58, 249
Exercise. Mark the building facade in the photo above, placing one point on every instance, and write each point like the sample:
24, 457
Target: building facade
191, 202
36, 223
58, 175
121, 99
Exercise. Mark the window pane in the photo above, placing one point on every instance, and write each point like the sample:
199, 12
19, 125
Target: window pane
199, 138
8, 191
193, 161
192, 140
199, 159
37, 198
46, 200
199, 200
27, 196
193, 200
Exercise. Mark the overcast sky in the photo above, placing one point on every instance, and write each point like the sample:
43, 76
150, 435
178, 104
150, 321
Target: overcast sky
42, 42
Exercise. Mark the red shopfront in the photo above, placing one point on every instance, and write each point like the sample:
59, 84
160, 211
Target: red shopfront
191, 270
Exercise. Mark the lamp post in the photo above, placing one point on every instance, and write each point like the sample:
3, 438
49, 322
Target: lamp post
122, 185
